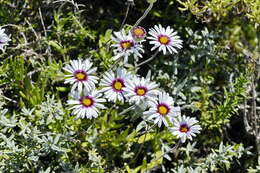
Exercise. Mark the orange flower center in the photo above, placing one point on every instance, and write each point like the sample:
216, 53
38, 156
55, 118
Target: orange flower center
126, 44
80, 75
118, 84
87, 101
141, 91
184, 128
162, 109
164, 39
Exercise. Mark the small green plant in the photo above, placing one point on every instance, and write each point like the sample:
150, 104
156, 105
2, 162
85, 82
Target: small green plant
129, 86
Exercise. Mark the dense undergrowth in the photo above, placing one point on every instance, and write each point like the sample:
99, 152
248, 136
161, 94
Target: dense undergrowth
213, 78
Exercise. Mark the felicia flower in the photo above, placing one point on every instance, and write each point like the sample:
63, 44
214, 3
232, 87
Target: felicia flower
138, 33
140, 90
164, 39
162, 109
86, 105
81, 75
184, 127
125, 46
114, 84
4, 39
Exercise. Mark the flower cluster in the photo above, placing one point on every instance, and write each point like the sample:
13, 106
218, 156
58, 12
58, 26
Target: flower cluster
89, 93
126, 44
85, 98
121, 86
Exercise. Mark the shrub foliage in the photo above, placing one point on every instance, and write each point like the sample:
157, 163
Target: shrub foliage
214, 77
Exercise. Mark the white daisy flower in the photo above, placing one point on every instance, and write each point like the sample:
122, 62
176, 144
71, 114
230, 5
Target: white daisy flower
125, 46
140, 90
86, 105
114, 84
81, 75
184, 127
164, 39
162, 109
4, 39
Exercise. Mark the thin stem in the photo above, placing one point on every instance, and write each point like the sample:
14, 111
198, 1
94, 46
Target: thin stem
245, 118
255, 116
126, 14
42, 21
127, 110
111, 108
148, 60
174, 148
144, 15
30, 25
16, 26
11, 100
148, 129
71, 2
254, 106
138, 152
111, 68
181, 86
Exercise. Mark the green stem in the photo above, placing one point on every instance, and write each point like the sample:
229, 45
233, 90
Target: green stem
148, 60
127, 110
138, 152
144, 15
126, 14
174, 148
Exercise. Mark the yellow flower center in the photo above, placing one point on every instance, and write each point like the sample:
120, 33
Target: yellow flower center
184, 128
164, 39
140, 91
87, 101
118, 85
163, 109
138, 32
80, 75
126, 44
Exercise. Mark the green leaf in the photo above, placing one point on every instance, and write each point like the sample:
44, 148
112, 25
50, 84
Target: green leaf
62, 89
145, 137
56, 46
